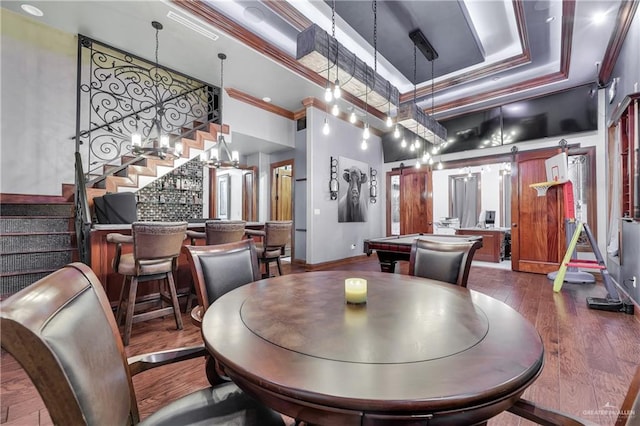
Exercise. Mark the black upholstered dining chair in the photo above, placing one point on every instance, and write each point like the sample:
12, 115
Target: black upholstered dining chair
62, 332
443, 261
275, 237
156, 247
216, 270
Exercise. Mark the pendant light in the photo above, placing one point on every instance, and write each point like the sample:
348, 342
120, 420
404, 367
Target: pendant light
157, 143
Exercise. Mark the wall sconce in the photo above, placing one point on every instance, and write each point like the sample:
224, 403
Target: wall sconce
333, 181
373, 185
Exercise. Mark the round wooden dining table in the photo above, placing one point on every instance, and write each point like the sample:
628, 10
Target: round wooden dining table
418, 351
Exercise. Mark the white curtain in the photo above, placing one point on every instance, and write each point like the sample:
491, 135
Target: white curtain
613, 244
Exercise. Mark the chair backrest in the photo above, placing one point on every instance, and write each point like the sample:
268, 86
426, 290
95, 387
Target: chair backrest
277, 233
116, 208
218, 269
449, 262
62, 332
157, 240
224, 231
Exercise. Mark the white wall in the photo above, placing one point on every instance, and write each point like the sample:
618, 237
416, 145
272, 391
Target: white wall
38, 83
327, 239
256, 122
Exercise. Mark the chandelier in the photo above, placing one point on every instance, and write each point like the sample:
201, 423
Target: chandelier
157, 142
220, 155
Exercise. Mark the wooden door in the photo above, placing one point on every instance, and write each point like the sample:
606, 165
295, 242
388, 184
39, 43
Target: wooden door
281, 198
537, 231
416, 198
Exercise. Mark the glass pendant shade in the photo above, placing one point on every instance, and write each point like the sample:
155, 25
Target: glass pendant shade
337, 93
328, 96
440, 165
364, 144
396, 132
366, 133
352, 117
403, 143
389, 121
325, 127
136, 139
335, 110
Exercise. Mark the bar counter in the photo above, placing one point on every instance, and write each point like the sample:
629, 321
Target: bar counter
102, 254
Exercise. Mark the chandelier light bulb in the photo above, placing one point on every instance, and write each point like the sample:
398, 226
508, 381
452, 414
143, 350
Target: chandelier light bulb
396, 132
325, 127
164, 141
335, 110
352, 117
136, 139
440, 165
431, 161
178, 148
412, 148
214, 154
337, 93
366, 133
403, 143
417, 143
434, 151
235, 156
389, 121
328, 96
425, 157
417, 164
364, 145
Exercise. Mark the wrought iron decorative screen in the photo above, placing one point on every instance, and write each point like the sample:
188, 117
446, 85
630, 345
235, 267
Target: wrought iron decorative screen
117, 95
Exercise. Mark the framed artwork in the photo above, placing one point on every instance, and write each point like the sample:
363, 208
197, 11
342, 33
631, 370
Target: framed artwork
224, 196
353, 192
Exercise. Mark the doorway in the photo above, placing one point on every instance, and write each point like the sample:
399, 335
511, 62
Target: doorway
282, 194
409, 201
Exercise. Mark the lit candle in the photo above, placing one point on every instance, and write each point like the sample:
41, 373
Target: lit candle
355, 290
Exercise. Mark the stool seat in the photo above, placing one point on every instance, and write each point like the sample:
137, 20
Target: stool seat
127, 266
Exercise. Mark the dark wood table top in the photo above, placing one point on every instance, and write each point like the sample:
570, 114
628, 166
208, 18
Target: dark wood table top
419, 349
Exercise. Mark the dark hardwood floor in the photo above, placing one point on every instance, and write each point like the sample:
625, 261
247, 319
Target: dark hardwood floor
590, 355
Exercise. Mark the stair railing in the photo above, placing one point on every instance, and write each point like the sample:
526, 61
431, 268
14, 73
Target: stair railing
82, 213
117, 96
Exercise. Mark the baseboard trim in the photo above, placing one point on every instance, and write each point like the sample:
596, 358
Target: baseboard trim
333, 263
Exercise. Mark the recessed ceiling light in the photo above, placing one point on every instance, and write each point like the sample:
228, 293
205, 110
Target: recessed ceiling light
550, 19
598, 18
266, 99
32, 10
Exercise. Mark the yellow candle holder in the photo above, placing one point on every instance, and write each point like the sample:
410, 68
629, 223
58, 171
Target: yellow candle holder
355, 290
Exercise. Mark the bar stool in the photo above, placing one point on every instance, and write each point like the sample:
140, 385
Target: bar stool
275, 237
156, 247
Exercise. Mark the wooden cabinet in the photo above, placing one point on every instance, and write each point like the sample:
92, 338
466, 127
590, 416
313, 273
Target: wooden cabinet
624, 120
494, 243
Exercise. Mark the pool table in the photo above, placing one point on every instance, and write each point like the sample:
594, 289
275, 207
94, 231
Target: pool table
398, 247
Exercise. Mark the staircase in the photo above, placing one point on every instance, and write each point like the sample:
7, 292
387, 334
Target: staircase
137, 172
35, 240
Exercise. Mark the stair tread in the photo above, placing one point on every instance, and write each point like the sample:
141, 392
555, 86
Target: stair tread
58, 250
29, 272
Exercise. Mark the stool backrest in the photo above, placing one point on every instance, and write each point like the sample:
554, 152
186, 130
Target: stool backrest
277, 233
224, 231
157, 240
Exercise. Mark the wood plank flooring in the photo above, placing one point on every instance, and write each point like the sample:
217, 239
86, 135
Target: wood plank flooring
589, 361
